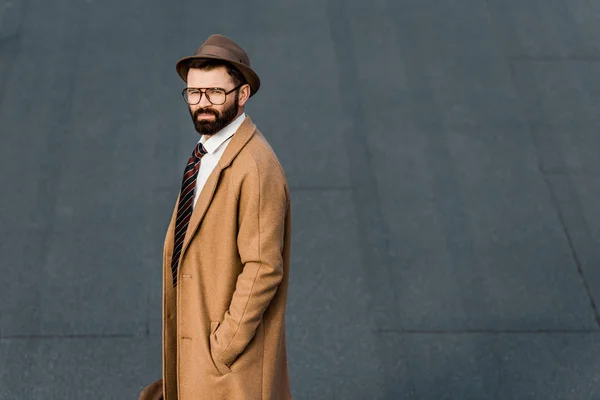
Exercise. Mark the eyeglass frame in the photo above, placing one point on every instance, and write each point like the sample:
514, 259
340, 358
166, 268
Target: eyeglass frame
203, 92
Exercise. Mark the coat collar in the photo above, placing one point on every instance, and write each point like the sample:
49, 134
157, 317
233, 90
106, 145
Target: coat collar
243, 134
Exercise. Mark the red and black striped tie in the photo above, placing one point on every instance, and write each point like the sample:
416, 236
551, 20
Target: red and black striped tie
185, 206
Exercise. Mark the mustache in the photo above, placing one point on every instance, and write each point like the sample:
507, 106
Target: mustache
204, 111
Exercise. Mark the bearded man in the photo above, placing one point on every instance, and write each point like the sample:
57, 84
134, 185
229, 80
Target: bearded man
226, 256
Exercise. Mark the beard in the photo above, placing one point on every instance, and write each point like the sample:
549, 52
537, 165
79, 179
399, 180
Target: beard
222, 119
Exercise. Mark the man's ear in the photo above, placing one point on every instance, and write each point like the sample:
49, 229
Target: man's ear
244, 94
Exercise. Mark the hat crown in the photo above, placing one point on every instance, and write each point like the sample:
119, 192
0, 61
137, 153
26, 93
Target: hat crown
223, 47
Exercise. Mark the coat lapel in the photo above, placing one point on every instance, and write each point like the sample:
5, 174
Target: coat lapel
238, 141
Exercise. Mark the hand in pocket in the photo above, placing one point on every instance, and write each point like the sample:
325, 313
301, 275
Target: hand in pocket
222, 368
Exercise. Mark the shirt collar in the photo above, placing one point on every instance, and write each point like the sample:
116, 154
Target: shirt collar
215, 141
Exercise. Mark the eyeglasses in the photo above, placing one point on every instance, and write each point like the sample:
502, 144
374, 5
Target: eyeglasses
216, 96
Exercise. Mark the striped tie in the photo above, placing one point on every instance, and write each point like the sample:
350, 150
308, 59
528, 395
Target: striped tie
185, 206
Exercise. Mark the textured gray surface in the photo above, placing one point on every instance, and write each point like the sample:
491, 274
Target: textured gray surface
491, 366
77, 368
329, 302
442, 158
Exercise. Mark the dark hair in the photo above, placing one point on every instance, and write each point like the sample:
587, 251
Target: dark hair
209, 64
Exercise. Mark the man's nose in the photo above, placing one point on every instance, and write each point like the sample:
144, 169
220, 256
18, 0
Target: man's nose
204, 101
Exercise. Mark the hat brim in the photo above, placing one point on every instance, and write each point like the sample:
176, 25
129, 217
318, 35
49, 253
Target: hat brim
251, 76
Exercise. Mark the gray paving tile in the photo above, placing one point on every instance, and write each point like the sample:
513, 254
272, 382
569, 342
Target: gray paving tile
492, 366
443, 63
556, 28
578, 198
78, 368
11, 15
376, 247
67, 275
83, 285
560, 101
332, 352
479, 242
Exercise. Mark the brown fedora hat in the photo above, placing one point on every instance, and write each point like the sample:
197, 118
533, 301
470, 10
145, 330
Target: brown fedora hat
219, 47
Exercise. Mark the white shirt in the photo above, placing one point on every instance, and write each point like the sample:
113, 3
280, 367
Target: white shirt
215, 146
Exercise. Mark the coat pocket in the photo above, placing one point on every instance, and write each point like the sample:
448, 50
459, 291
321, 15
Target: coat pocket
222, 368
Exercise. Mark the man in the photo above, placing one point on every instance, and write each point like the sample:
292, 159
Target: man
226, 255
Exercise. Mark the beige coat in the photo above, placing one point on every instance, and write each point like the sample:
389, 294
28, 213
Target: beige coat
224, 323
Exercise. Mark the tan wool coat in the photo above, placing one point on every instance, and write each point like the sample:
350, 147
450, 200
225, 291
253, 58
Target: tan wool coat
224, 323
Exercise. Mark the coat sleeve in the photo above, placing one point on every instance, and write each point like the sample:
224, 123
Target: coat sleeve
263, 201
